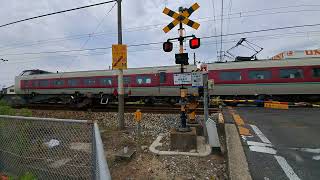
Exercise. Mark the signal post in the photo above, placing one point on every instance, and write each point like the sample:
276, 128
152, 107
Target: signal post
183, 138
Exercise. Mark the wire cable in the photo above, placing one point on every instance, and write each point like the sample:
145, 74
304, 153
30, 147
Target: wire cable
131, 29
58, 12
154, 43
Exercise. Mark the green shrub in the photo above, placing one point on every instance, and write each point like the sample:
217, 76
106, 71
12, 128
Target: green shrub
5, 109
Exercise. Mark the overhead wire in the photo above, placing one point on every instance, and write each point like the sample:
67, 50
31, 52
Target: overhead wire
205, 43
88, 39
58, 12
153, 43
131, 29
274, 8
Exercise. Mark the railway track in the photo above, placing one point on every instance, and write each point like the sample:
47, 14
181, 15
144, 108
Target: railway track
162, 109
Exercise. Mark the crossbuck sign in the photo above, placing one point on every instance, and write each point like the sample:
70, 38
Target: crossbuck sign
181, 17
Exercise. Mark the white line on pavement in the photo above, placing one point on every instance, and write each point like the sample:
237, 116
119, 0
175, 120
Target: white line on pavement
316, 157
260, 134
287, 168
253, 143
263, 149
310, 150
281, 160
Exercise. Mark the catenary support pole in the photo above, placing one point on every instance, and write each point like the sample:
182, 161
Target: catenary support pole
120, 76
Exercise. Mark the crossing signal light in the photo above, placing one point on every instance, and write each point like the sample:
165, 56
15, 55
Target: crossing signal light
182, 58
194, 43
167, 46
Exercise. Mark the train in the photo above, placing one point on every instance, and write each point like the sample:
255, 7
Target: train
284, 80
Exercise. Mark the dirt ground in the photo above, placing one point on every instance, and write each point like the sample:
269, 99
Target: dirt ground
144, 164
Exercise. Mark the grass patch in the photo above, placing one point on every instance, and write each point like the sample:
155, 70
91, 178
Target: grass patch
5, 109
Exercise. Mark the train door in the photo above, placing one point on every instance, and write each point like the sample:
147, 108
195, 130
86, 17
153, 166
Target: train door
162, 82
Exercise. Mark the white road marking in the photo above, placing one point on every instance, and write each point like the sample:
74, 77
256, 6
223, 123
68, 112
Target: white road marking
260, 134
287, 168
253, 143
263, 149
310, 150
244, 138
316, 158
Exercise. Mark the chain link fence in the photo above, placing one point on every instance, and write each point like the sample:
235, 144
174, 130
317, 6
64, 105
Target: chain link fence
43, 148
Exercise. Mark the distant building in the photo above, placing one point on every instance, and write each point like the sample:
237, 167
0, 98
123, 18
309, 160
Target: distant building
8, 90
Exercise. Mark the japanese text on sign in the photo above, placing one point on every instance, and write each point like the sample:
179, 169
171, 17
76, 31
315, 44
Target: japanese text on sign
184, 78
197, 79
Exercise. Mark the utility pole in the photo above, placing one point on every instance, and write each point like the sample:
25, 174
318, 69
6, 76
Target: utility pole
120, 76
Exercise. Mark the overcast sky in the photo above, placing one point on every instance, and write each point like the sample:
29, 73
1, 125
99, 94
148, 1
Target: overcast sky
142, 23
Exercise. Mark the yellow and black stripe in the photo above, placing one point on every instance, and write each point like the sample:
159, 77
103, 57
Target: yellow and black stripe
181, 18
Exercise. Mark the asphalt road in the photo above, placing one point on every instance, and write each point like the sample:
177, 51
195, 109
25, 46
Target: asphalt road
285, 144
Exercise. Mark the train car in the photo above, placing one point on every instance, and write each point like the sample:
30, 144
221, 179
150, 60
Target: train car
148, 84
289, 80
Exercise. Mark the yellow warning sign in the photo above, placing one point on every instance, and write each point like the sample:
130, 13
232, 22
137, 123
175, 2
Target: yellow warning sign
119, 56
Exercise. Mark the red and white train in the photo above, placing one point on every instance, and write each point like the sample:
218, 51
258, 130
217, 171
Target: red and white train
290, 80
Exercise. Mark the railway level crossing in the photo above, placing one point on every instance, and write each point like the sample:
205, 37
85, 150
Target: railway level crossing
182, 17
185, 137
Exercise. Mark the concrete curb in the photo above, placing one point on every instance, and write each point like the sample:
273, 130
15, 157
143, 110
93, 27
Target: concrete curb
202, 151
237, 162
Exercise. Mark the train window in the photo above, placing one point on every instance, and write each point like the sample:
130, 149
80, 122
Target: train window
35, 83
316, 72
106, 81
73, 82
126, 80
261, 74
43, 83
148, 80
291, 73
58, 82
143, 80
89, 82
26, 83
230, 76
162, 77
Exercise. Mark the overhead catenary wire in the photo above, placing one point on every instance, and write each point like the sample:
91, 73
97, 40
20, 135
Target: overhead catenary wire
58, 12
153, 43
205, 43
88, 39
130, 29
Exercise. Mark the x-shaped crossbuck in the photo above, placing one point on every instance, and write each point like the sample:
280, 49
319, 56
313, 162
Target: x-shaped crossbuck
181, 17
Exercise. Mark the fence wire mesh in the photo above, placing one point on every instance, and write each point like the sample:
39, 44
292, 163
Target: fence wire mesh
48, 148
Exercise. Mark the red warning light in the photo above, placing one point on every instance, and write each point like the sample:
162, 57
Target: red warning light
167, 46
194, 43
